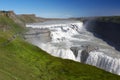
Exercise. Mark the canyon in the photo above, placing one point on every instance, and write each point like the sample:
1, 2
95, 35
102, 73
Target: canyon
69, 39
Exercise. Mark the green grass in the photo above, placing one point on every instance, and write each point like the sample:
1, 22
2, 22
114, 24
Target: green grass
20, 60
27, 18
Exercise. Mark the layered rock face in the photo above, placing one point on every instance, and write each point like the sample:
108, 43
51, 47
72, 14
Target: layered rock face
70, 40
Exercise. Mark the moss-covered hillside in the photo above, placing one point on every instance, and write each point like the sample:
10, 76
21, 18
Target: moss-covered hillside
30, 18
20, 60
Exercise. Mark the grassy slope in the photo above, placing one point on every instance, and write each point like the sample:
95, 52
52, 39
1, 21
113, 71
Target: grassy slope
30, 18
20, 60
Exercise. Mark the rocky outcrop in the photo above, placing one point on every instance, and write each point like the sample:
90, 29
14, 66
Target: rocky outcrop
7, 13
23, 18
85, 52
86, 49
12, 16
75, 50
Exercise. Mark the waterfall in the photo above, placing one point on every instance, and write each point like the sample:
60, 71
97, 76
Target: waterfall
70, 40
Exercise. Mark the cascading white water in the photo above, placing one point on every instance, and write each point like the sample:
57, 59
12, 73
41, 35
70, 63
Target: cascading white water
66, 40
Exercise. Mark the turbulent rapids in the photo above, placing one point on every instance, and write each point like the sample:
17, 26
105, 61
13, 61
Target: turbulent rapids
71, 40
